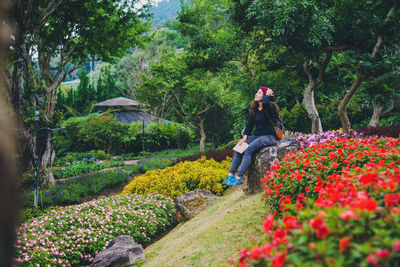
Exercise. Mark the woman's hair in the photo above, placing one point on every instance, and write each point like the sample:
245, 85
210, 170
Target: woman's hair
254, 107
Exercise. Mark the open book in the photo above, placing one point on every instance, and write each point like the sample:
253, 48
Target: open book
242, 148
285, 143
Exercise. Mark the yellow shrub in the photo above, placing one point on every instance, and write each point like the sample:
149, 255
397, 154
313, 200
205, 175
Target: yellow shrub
181, 178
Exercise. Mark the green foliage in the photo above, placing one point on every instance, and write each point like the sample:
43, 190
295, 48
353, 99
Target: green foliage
71, 157
81, 168
70, 191
296, 119
27, 213
104, 132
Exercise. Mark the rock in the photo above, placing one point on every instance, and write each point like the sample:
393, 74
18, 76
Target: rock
192, 203
262, 161
120, 252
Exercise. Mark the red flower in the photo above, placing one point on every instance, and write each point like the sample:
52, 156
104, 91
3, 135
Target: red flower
266, 249
382, 253
255, 252
268, 223
394, 211
322, 231
371, 205
279, 236
392, 200
290, 223
307, 189
396, 246
279, 259
316, 223
335, 165
343, 243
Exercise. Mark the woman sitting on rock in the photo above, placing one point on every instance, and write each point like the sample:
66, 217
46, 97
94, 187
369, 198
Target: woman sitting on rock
263, 112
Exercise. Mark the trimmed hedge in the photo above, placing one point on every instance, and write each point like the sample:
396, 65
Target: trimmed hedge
388, 131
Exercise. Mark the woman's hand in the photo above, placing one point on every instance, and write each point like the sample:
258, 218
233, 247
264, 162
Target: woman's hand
270, 92
243, 140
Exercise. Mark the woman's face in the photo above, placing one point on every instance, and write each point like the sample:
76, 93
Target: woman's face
259, 95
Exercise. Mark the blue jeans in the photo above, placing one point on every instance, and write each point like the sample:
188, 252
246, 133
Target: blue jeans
255, 143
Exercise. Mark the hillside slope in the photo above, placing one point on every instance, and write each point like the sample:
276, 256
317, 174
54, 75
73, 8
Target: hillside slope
214, 236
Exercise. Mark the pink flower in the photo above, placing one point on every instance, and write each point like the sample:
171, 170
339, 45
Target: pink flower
345, 215
382, 253
396, 246
372, 259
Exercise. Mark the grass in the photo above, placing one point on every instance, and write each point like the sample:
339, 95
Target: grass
214, 236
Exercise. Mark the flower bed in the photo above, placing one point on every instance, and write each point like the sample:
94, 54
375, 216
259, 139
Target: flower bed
333, 204
80, 168
74, 235
181, 178
70, 191
308, 140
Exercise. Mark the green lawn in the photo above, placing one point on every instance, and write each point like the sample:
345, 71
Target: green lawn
214, 236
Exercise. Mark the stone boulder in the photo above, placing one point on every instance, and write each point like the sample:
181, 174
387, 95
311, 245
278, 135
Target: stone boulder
192, 203
120, 252
261, 162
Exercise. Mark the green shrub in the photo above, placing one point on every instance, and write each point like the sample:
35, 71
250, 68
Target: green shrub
100, 154
72, 157
70, 191
181, 178
80, 168
296, 119
104, 132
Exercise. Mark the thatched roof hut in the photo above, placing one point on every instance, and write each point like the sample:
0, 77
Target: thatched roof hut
118, 102
130, 111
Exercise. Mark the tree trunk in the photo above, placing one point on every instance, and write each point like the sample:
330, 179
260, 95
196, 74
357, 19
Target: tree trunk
47, 161
378, 111
346, 99
375, 116
308, 95
202, 136
309, 104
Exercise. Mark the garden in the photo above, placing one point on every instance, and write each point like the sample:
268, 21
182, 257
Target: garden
188, 72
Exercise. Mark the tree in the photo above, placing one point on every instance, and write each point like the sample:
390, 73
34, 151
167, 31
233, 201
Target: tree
382, 92
192, 94
377, 26
71, 31
318, 29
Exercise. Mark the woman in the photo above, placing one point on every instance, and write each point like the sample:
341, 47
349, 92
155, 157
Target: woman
263, 110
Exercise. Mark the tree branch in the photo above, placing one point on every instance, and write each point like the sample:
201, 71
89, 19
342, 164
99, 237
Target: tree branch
180, 105
324, 66
306, 67
203, 111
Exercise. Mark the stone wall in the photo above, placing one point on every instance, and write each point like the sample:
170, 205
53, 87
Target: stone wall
262, 161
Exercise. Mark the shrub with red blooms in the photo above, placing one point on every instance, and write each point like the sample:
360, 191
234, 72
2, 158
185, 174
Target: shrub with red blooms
216, 155
389, 131
335, 204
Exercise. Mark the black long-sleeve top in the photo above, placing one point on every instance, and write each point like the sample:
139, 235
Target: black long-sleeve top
263, 125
